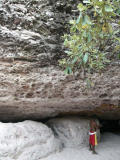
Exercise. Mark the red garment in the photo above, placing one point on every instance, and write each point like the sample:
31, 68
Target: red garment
92, 139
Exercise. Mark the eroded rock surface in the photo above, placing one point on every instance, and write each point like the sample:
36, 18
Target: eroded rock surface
31, 30
32, 86
72, 131
26, 140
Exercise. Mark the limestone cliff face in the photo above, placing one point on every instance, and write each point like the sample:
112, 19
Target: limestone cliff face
32, 86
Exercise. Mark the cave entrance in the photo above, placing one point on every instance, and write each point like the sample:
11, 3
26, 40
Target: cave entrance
110, 126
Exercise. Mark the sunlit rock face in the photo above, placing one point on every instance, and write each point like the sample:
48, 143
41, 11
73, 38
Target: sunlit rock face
32, 86
26, 140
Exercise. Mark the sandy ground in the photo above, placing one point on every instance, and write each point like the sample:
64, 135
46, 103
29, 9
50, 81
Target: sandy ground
108, 149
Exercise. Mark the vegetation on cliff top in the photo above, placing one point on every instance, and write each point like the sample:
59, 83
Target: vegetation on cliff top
91, 35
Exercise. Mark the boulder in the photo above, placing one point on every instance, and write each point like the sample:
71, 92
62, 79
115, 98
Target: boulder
72, 131
26, 140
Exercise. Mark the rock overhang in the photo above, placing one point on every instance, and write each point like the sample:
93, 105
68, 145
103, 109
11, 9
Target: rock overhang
45, 109
32, 86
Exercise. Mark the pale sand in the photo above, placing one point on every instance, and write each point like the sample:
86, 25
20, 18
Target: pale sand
108, 149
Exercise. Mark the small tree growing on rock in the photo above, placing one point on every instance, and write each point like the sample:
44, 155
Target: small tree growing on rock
89, 35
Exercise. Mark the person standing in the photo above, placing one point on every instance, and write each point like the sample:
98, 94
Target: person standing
92, 135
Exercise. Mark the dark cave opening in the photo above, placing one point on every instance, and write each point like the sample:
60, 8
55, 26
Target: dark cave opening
110, 126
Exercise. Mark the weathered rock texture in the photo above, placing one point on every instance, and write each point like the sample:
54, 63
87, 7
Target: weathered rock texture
26, 140
31, 83
72, 131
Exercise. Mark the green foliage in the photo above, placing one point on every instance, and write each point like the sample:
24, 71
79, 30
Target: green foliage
89, 34
116, 4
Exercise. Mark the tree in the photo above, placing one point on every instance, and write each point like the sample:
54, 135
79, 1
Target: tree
89, 35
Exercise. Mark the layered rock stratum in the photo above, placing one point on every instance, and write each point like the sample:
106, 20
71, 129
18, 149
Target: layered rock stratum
32, 85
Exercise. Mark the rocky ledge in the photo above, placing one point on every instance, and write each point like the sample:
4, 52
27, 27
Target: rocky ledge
27, 92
